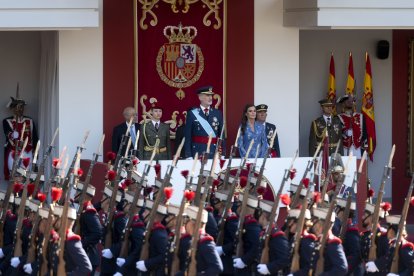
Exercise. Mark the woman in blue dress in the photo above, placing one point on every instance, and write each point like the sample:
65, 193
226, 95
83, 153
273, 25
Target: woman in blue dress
251, 130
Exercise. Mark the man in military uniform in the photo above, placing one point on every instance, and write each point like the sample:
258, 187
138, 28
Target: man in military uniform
200, 123
354, 132
261, 115
151, 130
13, 130
325, 122
119, 130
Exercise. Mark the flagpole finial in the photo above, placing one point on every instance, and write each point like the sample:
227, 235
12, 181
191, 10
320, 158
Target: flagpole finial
350, 53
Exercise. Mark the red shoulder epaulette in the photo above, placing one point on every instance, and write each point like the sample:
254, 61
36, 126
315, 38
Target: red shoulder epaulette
119, 214
232, 216
54, 235
158, 226
209, 209
310, 236
185, 235
334, 240
278, 234
249, 219
70, 236
138, 224
27, 223
206, 238
408, 244
10, 215
352, 229
135, 218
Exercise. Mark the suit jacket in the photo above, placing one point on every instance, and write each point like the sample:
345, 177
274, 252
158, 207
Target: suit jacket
270, 129
334, 132
147, 138
117, 133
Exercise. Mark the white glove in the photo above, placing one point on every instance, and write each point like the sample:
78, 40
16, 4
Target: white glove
117, 274
392, 274
238, 263
219, 250
262, 269
371, 267
189, 158
106, 253
28, 268
120, 261
1, 253
141, 266
15, 261
15, 134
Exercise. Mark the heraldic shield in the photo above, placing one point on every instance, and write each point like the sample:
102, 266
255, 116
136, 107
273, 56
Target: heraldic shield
180, 62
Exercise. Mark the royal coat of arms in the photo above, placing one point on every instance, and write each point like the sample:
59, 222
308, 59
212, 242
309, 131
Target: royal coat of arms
180, 62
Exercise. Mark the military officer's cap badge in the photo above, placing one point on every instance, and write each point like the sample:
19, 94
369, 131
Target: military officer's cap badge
326, 102
261, 107
207, 90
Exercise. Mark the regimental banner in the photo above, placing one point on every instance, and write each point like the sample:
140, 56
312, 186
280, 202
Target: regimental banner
180, 48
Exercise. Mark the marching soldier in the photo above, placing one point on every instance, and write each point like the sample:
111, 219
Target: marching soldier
354, 132
261, 115
8, 236
200, 123
325, 122
151, 130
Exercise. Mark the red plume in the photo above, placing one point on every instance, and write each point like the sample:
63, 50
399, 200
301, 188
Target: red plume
243, 181
305, 182
168, 191
222, 162
285, 199
216, 182
127, 182
412, 201
317, 197
185, 173
122, 185
261, 190
80, 172
55, 162
189, 195
41, 197
371, 193
30, 189
17, 187
248, 166
111, 175
157, 168
292, 173
386, 206
135, 161
26, 161
110, 155
147, 191
56, 193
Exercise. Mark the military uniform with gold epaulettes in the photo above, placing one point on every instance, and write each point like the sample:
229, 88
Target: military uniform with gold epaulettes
147, 138
317, 129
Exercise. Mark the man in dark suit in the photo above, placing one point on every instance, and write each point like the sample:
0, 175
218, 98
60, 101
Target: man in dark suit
331, 123
261, 115
151, 130
200, 122
119, 130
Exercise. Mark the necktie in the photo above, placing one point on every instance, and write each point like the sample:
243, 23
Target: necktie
206, 111
328, 121
133, 135
156, 126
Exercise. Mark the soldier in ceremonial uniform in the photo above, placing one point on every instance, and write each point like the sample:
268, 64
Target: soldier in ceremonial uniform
119, 130
261, 115
200, 123
8, 236
354, 132
13, 130
151, 130
325, 122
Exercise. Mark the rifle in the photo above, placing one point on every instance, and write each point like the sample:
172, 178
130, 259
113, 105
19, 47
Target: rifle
397, 244
329, 173
132, 210
86, 184
32, 244
159, 197
80, 148
308, 168
375, 216
229, 202
17, 252
239, 233
41, 168
327, 226
347, 210
264, 259
192, 269
262, 167
294, 266
6, 200
201, 176
61, 270
226, 178
112, 201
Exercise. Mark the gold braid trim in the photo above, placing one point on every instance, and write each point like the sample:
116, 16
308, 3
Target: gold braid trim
315, 130
145, 137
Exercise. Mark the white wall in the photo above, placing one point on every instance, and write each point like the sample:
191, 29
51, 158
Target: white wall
276, 71
315, 49
81, 88
20, 61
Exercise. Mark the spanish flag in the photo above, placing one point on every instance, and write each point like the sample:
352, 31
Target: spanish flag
368, 108
350, 82
331, 83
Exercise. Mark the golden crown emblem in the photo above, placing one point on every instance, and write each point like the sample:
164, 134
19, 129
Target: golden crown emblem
180, 33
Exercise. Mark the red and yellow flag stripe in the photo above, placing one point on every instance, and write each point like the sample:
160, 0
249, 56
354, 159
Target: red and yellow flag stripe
331, 82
